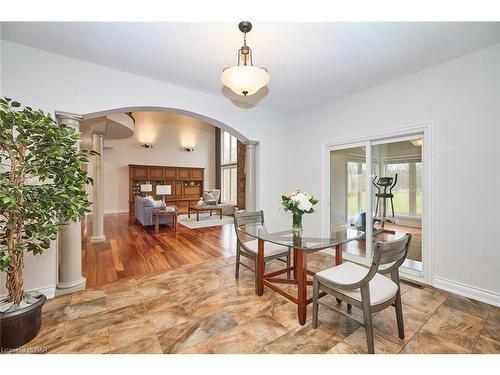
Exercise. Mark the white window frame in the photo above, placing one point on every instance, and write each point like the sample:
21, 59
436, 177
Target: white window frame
232, 164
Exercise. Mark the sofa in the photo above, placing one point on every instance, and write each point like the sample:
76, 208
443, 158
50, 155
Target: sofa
144, 209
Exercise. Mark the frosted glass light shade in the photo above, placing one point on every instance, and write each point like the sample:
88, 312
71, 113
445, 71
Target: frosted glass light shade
245, 79
163, 189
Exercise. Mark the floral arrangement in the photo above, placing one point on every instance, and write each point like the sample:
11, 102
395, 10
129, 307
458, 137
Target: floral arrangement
298, 203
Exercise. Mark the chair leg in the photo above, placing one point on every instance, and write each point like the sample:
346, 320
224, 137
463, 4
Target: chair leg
365, 300
399, 316
315, 303
237, 271
288, 273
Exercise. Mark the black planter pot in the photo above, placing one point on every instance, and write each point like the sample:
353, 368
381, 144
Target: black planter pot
21, 326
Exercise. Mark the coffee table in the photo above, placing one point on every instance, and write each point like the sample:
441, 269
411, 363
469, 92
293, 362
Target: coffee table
205, 208
158, 214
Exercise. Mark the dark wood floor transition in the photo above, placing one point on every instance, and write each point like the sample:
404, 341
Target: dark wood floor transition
132, 250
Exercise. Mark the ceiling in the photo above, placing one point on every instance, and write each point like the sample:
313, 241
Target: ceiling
309, 63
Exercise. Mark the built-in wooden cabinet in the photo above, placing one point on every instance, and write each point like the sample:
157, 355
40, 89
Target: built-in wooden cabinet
196, 174
192, 191
183, 174
139, 173
156, 173
187, 183
177, 189
170, 173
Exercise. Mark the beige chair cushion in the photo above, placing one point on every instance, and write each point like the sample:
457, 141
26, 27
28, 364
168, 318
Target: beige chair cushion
382, 288
270, 249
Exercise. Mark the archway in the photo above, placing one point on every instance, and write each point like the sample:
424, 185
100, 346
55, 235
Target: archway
250, 165
198, 116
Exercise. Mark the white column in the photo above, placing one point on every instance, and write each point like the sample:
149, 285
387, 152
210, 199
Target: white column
250, 176
70, 239
97, 190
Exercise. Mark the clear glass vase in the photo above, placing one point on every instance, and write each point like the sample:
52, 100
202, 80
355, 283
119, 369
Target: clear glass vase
297, 221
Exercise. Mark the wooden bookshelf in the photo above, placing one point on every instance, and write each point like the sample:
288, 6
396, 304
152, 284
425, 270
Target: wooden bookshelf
187, 183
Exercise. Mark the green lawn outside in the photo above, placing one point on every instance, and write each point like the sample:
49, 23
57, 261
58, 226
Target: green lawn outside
401, 203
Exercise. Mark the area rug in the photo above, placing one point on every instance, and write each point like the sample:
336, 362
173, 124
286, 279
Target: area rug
415, 250
205, 220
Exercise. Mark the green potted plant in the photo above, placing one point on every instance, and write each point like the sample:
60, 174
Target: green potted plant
41, 187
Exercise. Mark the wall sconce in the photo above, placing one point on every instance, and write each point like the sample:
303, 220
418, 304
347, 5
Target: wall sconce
188, 149
147, 145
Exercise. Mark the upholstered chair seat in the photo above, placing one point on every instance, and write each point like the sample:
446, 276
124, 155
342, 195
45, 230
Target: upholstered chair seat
382, 288
270, 249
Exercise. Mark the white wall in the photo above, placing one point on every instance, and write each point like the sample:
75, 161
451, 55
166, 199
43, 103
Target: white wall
53, 82
169, 133
461, 99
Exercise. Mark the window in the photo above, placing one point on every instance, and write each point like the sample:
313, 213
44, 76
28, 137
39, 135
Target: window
229, 167
408, 190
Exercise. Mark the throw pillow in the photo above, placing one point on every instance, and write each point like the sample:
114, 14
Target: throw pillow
208, 196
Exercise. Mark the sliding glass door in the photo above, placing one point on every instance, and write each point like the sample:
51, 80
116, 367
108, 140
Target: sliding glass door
349, 192
391, 192
397, 193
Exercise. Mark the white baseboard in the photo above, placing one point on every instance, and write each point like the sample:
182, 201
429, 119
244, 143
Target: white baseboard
469, 291
49, 291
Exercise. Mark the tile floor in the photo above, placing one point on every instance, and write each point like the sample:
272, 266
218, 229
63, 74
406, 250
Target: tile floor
203, 309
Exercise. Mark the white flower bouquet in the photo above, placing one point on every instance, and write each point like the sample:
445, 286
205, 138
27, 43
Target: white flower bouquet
298, 203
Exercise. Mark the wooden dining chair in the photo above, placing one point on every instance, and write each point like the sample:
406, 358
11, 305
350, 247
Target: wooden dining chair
365, 289
249, 249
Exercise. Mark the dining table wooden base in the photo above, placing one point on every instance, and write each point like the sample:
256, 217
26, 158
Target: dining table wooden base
300, 273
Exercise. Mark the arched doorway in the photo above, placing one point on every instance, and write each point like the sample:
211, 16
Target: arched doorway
250, 164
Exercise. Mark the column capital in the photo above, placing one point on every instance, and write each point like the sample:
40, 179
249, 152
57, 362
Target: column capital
251, 143
72, 119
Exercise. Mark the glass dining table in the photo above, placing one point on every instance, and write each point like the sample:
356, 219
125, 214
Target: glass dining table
302, 244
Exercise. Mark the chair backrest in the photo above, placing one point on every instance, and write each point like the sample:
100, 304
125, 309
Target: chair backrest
394, 252
384, 253
242, 218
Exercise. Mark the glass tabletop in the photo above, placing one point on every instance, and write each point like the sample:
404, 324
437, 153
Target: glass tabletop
337, 236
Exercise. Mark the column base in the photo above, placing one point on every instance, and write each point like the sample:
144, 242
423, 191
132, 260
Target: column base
97, 239
71, 287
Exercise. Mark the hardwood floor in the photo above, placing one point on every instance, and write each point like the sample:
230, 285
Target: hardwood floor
358, 247
131, 250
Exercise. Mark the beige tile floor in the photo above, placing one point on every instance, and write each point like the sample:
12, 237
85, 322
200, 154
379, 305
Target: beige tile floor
203, 309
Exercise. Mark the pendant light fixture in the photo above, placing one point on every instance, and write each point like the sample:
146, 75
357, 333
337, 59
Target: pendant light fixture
245, 79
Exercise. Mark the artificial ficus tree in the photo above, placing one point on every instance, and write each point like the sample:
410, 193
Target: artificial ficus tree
42, 185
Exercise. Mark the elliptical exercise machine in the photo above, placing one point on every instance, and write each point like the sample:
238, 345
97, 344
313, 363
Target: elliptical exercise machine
384, 186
